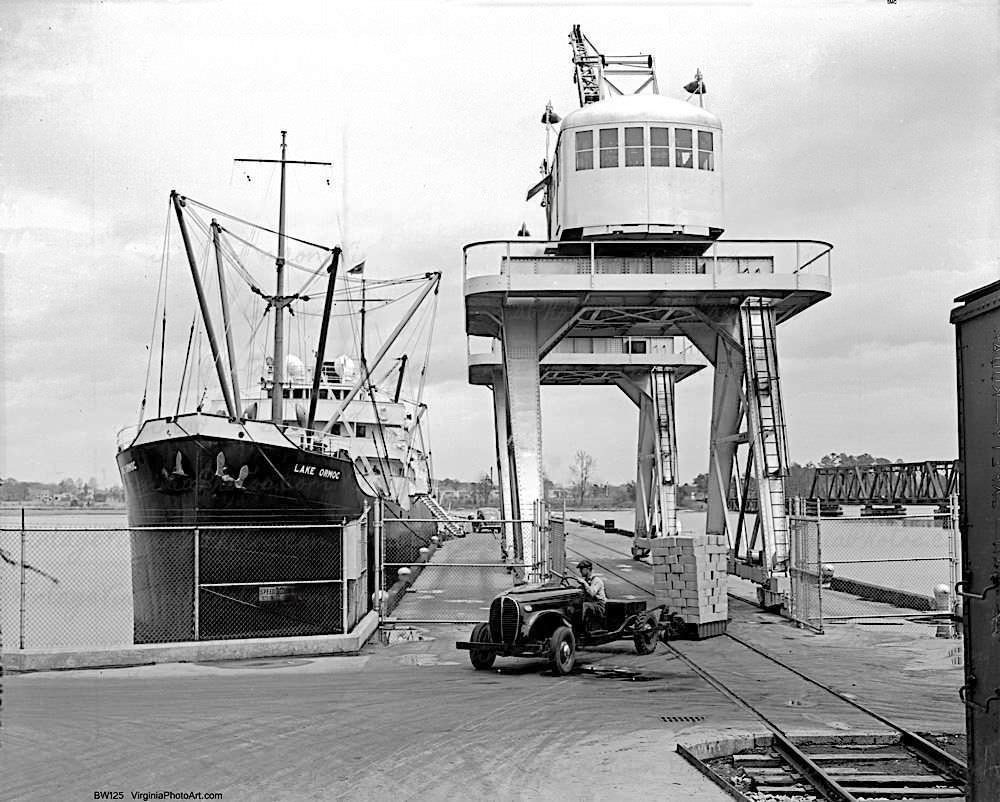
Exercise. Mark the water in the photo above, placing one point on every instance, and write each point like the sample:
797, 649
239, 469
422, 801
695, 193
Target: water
81, 593
873, 550
62, 518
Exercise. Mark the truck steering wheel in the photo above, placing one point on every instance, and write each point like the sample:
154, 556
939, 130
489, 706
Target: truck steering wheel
564, 580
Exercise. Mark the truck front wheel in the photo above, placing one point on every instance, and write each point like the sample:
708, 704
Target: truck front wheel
563, 646
482, 659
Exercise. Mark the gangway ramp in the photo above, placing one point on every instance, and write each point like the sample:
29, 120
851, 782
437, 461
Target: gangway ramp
452, 527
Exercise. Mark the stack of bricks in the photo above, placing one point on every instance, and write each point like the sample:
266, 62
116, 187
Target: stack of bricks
689, 577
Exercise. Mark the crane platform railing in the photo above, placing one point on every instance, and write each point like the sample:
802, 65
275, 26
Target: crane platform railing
717, 258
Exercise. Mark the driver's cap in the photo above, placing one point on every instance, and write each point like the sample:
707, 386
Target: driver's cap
584, 564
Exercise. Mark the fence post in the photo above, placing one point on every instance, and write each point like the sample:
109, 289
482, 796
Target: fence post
24, 595
819, 572
197, 583
376, 511
541, 544
954, 569
794, 578
343, 580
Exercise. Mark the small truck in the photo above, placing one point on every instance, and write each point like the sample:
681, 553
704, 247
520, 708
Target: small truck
546, 620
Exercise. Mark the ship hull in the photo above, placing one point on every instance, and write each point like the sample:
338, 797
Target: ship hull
258, 531
202, 480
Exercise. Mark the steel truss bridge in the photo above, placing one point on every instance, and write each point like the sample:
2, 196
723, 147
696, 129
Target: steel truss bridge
930, 482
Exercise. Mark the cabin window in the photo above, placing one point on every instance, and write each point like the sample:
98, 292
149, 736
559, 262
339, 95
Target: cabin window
609, 147
584, 150
297, 393
683, 148
659, 147
635, 147
706, 151
360, 430
637, 346
324, 393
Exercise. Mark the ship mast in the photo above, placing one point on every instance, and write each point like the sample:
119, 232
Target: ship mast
277, 391
279, 301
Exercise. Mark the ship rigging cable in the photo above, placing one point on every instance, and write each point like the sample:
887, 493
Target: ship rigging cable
419, 413
257, 226
160, 292
194, 337
313, 273
230, 256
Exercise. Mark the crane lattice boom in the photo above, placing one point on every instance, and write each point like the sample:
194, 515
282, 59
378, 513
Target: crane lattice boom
593, 70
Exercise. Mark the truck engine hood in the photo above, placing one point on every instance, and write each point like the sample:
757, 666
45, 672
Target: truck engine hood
537, 595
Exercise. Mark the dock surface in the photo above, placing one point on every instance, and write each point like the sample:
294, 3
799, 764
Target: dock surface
412, 720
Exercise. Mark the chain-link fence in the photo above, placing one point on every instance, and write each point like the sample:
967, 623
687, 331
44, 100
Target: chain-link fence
805, 573
66, 588
452, 576
880, 565
71, 589
873, 566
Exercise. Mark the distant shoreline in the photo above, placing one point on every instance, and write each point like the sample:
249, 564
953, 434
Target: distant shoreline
56, 508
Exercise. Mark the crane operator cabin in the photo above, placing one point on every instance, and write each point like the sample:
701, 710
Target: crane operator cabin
634, 167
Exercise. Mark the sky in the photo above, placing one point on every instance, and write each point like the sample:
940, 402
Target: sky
868, 125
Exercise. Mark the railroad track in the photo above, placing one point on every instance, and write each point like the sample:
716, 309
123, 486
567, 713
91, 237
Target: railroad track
909, 768
577, 536
647, 589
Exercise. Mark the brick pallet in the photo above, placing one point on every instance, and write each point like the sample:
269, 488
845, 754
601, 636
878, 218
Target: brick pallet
689, 577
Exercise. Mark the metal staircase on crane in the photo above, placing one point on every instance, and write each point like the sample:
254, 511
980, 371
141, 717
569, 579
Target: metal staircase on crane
767, 425
663, 404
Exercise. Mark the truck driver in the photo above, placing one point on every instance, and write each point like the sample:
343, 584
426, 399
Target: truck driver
595, 599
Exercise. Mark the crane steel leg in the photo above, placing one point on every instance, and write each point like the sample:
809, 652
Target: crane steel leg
528, 331
503, 465
524, 415
727, 393
656, 458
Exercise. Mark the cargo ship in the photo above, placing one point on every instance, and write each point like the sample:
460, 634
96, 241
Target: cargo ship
238, 501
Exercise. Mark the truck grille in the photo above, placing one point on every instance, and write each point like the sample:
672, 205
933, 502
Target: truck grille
505, 620
510, 620
495, 619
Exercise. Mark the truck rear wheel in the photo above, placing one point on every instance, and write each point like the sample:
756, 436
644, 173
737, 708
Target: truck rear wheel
645, 639
563, 646
481, 659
